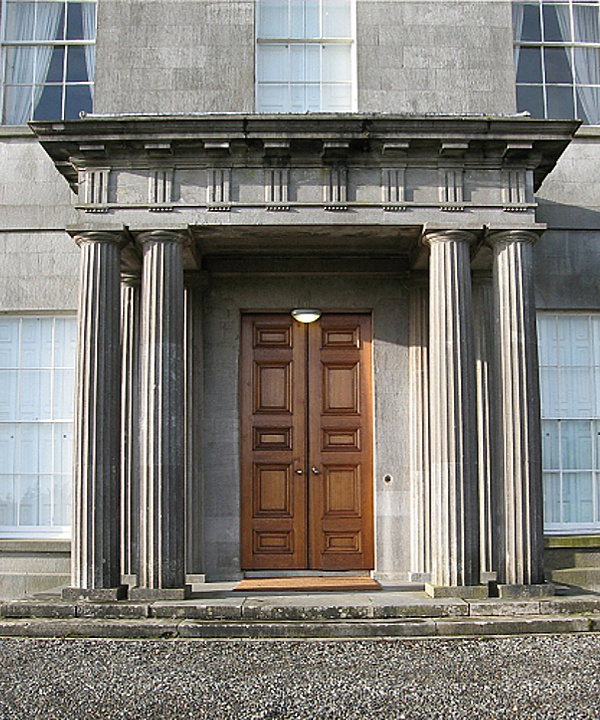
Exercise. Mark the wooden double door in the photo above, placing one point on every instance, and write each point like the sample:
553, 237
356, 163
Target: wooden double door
306, 417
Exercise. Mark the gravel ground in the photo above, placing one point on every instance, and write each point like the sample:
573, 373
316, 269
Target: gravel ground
522, 677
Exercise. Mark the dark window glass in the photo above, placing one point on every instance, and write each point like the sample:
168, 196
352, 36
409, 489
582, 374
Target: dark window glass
530, 98
76, 67
74, 22
558, 67
526, 22
79, 97
55, 69
557, 22
560, 102
49, 106
529, 65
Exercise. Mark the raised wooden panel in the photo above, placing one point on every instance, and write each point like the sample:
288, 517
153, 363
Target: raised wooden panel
272, 491
268, 438
272, 387
271, 336
271, 542
342, 491
342, 542
340, 440
340, 388
341, 337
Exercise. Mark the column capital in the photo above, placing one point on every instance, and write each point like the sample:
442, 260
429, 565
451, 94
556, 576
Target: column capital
83, 237
164, 236
440, 236
499, 238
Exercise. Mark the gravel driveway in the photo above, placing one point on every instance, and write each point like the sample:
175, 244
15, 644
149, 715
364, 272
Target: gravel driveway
517, 677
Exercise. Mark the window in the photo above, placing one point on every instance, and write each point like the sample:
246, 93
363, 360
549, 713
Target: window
570, 387
48, 53
557, 58
304, 56
36, 425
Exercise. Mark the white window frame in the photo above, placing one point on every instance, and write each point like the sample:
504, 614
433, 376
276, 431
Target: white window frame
569, 46
52, 531
5, 44
349, 41
562, 527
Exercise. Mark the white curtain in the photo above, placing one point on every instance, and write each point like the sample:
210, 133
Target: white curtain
88, 12
587, 63
25, 67
518, 15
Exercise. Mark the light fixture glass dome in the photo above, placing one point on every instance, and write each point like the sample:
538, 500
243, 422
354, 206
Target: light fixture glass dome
306, 315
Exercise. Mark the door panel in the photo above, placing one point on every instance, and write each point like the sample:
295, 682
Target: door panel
341, 507
273, 407
306, 403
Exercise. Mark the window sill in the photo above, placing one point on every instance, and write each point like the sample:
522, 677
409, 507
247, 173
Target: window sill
9, 131
46, 545
572, 541
588, 131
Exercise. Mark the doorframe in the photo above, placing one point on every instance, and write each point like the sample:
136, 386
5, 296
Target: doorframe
373, 527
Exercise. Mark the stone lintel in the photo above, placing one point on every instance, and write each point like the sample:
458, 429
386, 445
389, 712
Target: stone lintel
464, 592
95, 594
526, 591
152, 594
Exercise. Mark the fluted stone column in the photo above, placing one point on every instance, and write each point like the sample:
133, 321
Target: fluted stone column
419, 432
521, 538
95, 563
454, 500
162, 421
130, 471
487, 425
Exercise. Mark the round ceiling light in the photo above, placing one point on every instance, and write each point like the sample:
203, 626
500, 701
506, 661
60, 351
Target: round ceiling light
306, 315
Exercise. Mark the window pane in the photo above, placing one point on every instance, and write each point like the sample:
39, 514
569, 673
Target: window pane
548, 339
49, 106
558, 66
7, 447
272, 98
585, 18
560, 102
19, 65
577, 498
9, 387
552, 497
65, 339
272, 63
526, 22
575, 397
336, 97
549, 392
530, 98
64, 393
336, 63
550, 445
28, 498
78, 99
273, 19
9, 342
62, 501
557, 22
298, 60
55, 67
74, 22
336, 18
574, 341
529, 67
49, 21
8, 506
313, 63
20, 21
76, 65
576, 445
587, 65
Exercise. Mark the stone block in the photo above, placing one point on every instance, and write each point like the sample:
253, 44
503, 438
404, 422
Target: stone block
94, 594
526, 591
503, 608
223, 609
121, 611
152, 594
465, 592
36, 609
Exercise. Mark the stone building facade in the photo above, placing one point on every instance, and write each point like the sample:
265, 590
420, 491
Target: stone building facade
364, 159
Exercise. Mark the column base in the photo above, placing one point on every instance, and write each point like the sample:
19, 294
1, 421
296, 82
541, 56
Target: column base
95, 594
461, 592
526, 591
419, 577
151, 594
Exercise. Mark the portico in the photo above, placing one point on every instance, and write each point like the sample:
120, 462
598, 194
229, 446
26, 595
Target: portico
424, 225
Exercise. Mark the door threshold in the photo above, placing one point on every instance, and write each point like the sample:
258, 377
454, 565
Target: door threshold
305, 573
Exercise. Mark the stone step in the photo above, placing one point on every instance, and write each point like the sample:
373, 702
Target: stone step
583, 577
215, 630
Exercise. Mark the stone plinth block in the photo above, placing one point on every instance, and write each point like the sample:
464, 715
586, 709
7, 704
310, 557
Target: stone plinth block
95, 595
152, 594
526, 591
464, 592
